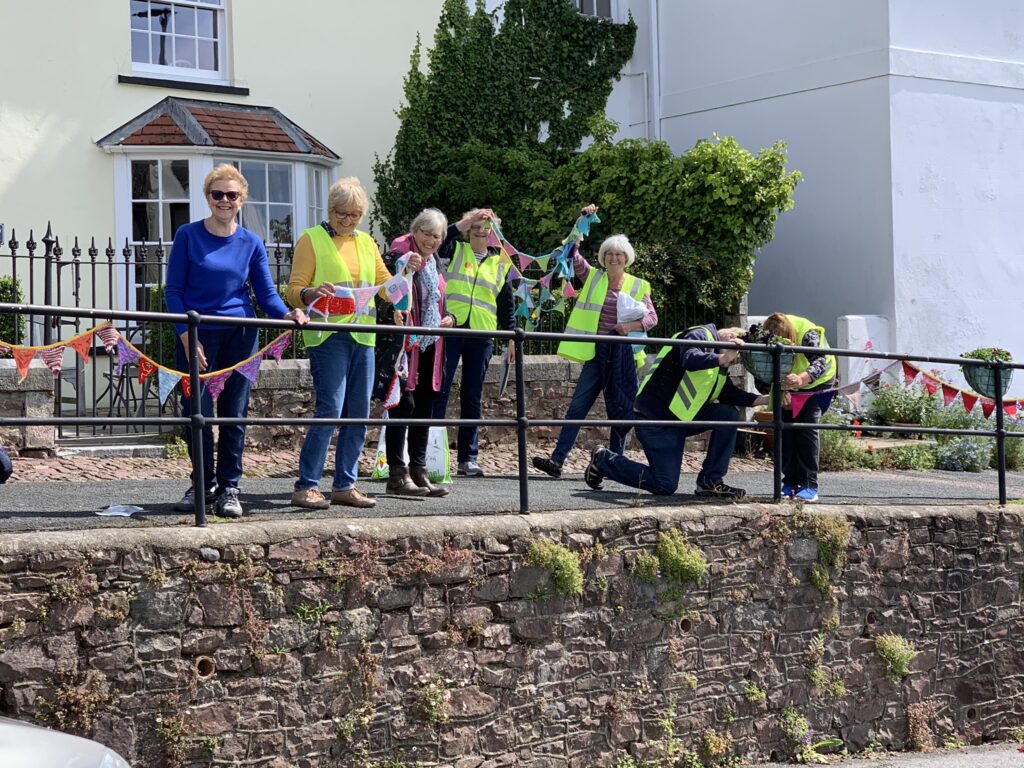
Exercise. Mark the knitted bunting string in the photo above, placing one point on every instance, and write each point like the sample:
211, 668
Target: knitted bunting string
82, 344
53, 357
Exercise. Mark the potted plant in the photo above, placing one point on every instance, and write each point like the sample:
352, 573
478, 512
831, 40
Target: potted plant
982, 378
759, 364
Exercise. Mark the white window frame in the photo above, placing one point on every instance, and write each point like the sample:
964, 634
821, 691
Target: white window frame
582, 5
201, 162
220, 76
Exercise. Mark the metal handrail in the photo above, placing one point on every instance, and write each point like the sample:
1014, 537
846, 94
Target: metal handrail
196, 422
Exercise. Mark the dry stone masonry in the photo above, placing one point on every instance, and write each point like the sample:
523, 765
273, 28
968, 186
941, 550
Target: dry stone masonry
413, 642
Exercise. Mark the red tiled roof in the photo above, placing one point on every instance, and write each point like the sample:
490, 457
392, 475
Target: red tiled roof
210, 123
242, 130
162, 131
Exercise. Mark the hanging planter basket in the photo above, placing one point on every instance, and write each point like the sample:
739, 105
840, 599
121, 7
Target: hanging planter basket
982, 379
759, 364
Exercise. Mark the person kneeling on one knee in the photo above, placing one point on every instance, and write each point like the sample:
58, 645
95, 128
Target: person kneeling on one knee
686, 384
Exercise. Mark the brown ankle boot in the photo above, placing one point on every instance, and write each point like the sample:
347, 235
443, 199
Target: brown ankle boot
400, 484
419, 476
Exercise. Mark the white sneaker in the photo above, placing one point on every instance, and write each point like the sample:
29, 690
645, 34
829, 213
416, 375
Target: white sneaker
227, 504
470, 469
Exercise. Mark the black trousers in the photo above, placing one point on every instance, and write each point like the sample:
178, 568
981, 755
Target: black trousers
800, 447
415, 404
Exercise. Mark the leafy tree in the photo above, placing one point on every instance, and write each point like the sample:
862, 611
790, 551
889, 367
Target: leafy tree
499, 107
696, 219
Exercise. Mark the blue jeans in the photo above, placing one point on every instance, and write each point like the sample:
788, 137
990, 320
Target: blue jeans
223, 348
476, 356
664, 449
342, 371
588, 385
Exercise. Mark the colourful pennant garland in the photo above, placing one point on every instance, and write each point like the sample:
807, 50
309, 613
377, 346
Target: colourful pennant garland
23, 358
186, 386
948, 394
126, 354
166, 381
146, 369
525, 260
277, 347
53, 357
109, 336
82, 344
215, 383
251, 369
568, 291
969, 400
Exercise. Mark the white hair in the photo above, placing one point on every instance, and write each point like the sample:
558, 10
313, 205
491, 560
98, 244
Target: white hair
429, 220
617, 243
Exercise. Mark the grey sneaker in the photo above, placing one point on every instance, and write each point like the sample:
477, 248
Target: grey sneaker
188, 501
227, 504
470, 469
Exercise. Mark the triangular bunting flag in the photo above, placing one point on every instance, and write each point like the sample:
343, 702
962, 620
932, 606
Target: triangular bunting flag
525, 260
492, 239
969, 400
165, 382
215, 384
509, 248
909, 372
523, 310
546, 280
82, 345
108, 335
22, 358
559, 306
251, 369
568, 291
186, 386
125, 355
799, 400
146, 369
363, 297
277, 347
930, 383
514, 274
542, 261
949, 394
825, 398
1011, 409
987, 406
545, 295
394, 394
53, 357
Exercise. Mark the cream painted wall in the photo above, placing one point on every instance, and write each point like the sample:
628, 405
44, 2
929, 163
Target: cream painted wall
336, 69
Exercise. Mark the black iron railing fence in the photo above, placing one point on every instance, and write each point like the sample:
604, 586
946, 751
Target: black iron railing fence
131, 277
522, 421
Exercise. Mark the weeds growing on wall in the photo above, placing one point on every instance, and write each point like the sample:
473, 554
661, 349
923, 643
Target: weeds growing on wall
897, 653
563, 566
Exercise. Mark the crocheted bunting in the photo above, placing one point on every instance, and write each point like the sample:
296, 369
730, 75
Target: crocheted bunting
53, 358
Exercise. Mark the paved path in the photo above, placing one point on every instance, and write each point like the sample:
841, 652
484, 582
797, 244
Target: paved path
54, 505
991, 756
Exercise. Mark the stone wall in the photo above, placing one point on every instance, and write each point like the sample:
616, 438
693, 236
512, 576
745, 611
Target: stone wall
286, 389
433, 642
32, 397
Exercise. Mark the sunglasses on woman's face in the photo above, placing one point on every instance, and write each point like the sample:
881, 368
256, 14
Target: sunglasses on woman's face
218, 195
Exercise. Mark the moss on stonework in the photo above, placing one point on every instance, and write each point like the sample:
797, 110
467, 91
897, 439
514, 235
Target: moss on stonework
562, 565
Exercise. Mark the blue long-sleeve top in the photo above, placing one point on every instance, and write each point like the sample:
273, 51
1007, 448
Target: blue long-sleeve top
212, 274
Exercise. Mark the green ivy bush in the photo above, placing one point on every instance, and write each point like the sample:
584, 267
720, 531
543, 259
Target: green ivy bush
697, 219
12, 327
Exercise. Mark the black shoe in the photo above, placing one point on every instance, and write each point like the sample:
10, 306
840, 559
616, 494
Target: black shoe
547, 466
591, 476
720, 490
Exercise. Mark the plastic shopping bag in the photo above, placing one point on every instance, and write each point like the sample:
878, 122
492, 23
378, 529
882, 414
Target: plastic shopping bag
628, 309
439, 462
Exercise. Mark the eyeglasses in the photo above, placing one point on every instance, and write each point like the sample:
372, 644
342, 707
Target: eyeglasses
480, 229
219, 194
348, 216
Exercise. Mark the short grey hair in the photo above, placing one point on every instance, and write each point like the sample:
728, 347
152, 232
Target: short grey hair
430, 220
617, 243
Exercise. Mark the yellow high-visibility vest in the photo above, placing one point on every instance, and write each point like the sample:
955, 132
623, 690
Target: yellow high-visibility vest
472, 287
331, 268
587, 312
801, 363
695, 388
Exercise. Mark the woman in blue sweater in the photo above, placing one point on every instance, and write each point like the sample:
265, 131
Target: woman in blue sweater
213, 264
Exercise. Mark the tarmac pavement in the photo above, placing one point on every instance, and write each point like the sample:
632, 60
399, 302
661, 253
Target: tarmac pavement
27, 506
989, 756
